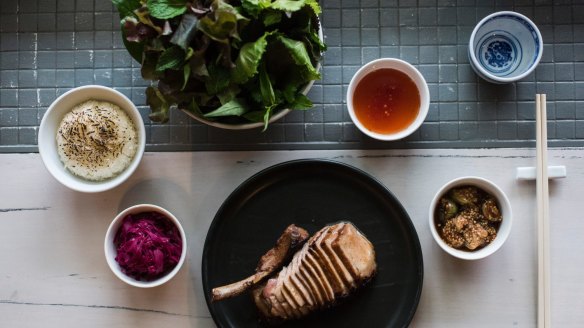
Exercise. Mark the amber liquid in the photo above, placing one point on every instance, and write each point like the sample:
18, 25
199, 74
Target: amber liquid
386, 101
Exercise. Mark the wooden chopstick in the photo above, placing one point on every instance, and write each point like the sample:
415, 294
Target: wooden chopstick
543, 226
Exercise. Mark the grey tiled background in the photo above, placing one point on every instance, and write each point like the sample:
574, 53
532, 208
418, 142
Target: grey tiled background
50, 46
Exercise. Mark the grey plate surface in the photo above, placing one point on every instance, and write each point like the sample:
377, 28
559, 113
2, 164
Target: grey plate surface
50, 46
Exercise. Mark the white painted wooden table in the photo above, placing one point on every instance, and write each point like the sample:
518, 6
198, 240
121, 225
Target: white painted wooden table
53, 272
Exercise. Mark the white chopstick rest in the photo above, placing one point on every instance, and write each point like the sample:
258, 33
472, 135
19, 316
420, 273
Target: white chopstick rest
530, 172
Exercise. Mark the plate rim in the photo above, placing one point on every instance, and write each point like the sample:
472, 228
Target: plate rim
361, 174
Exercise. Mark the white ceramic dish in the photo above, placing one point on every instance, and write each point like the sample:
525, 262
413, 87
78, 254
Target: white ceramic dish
505, 47
50, 124
410, 71
504, 228
110, 249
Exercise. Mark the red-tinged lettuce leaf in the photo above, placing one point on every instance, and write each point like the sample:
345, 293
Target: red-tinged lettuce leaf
197, 59
126, 7
143, 16
185, 31
135, 49
247, 62
235, 107
149, 62
158, 105
171, 58
136, 31
165, 9
221, 24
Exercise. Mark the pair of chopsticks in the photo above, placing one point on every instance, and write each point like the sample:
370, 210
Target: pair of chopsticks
543, 226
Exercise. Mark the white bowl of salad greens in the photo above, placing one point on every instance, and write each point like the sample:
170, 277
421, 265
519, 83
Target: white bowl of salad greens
232, 64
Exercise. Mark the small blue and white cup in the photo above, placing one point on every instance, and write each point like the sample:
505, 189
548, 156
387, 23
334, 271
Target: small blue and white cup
505, 47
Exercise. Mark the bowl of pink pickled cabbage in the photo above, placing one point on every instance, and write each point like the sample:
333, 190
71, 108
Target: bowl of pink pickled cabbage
145, 245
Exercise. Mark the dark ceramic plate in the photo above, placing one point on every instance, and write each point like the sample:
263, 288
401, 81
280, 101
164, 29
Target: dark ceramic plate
312, 194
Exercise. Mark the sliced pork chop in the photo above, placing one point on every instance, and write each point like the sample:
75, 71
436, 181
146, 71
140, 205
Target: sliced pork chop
342, 259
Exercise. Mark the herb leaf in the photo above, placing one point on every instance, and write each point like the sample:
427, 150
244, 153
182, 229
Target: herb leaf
171, 58
165, 9
300, 55
246, 64
235, 107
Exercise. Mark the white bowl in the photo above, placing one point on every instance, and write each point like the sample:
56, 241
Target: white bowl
50, 124
110, 249
410, 71
504, 228
505, 47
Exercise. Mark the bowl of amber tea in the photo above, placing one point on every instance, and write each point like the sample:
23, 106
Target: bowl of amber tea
388, 99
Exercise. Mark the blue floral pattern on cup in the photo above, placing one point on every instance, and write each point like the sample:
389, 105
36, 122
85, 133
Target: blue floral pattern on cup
499, 54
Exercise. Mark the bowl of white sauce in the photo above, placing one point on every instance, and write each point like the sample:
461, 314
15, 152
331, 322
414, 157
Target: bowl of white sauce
92, 138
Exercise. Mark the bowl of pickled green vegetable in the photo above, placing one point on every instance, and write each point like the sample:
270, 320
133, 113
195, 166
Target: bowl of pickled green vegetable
470, 218
233, 64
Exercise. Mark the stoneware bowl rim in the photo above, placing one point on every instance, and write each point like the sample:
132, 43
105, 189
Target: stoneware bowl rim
47, 143
502, 233
110, 251
409, 70
481, 70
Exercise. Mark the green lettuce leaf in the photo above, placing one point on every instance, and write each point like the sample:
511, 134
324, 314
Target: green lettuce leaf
288, 5
266, 89
235, 107
165, 9
187, 76
246, 64
300, 56
314, 5
271, 17
301, 102
254, 7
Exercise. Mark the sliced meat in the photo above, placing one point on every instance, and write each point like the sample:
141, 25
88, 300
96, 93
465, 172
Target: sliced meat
333, 263
289, 242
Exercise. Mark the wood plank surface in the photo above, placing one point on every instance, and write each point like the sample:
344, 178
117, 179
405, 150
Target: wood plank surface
53, 271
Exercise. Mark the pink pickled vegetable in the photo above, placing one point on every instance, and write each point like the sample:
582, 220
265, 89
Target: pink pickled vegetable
148, 245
